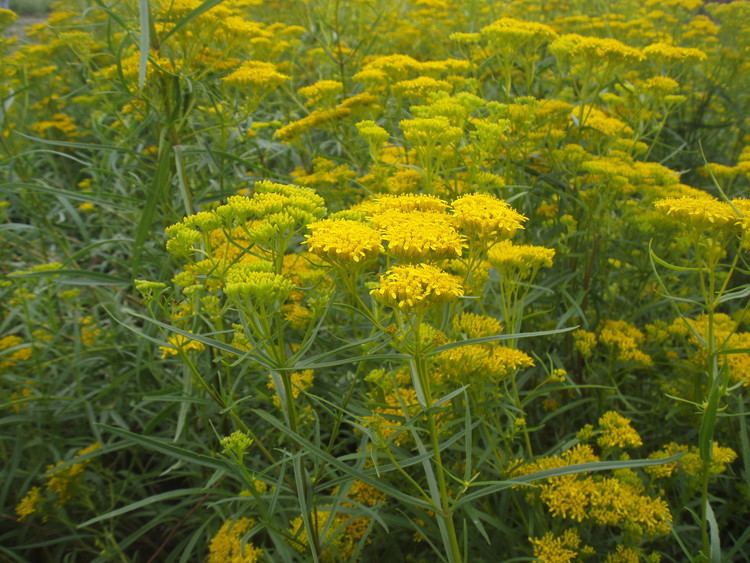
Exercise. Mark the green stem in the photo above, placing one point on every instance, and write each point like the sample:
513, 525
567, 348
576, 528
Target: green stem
446, 513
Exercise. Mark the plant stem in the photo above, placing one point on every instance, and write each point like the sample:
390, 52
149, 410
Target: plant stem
446, 514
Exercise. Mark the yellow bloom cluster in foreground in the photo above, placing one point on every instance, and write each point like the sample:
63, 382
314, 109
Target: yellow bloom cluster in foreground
414, 287
228, 546
343, 241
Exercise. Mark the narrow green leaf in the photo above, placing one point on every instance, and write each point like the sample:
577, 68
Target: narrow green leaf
368, 477
497, 338
159, 186
143, 502
713, 526
168, 448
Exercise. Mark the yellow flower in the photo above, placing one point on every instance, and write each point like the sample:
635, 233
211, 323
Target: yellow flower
178, 343
486, 217
237, 443
227, 545
606, 501
312, 120
7, 17
584, 50
29, 503
9, 359
259, 74
557, 549
298, 316
603, 123
365, 494
404, 203
510, 33
616, 432
418, 235
417, 286
491, 362
476, 326
520, 257
343, 241
244, 281
625, 339
703, 212
372, 132
664, 52
424, 132
421, 87
624, 555
62, 476
321, 90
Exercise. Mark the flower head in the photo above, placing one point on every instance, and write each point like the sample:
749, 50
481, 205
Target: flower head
245, 281
259, 74
486, 217
343, 241
411, 287
520, 257
701, 212
227, 545
617, 432
419, 235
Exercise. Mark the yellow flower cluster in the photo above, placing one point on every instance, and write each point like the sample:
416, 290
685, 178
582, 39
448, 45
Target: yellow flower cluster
388, 415
522, 259
29, 504
426, 133
606, 501
490, 362
372, 132
586, 50
476, 326
63, 476
585, 341
244, 281
690, 463
16, 351
617, 432
342, 241
695, 331
227, 545
419, 235
484, 217
404, 203
258, 74
421, 87
563, 548
322, 90
414, 287
511, 33
625, 339
383, 69
242, 242
704, 213
324, 116
180, 343
664, 52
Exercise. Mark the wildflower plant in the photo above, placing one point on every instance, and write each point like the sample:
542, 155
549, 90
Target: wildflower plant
346, 281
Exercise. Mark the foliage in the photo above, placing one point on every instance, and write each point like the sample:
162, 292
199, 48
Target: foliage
343, 281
